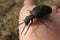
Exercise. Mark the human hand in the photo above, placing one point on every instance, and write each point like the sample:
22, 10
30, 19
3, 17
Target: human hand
38, 30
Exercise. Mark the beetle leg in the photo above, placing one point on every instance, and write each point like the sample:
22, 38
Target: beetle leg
21, 23
48, 19
29, 11
42, 22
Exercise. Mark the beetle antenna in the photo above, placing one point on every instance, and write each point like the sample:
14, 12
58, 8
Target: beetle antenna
27, 28
23, 29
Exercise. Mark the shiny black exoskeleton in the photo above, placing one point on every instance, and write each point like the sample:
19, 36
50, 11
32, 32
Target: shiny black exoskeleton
37, 12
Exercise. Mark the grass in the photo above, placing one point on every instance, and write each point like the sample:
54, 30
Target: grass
8, 20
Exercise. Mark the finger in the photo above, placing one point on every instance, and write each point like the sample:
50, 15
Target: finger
54, 9
59, 11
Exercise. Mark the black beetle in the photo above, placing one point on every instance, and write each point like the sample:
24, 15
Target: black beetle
37, 12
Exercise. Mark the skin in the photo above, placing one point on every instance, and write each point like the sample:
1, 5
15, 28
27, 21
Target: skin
37, 30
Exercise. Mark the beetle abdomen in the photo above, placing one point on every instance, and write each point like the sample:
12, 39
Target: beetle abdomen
41, 11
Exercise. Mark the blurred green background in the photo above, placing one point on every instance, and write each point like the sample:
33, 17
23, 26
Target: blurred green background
9, 16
